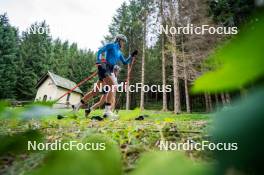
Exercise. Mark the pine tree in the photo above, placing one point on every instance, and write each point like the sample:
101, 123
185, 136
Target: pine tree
8, 58
26, 84
35, 60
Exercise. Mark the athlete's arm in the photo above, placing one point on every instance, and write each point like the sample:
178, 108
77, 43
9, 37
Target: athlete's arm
125, 61
129, 59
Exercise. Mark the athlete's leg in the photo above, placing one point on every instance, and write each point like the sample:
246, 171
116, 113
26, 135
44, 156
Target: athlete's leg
108, 81
110, 95
113, 103
93, 92
88, 96
96, 105
99, 103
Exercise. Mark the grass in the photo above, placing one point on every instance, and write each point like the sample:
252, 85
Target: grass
152, 115
133, 137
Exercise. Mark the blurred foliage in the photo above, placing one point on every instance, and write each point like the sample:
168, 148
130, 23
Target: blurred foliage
36, 110
241, 60
170, 163
3, 105
44, 103
18, 143
242, 124
241, 64
83, 162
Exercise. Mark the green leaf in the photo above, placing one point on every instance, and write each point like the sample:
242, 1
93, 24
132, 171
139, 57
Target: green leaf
170, 163
242, 61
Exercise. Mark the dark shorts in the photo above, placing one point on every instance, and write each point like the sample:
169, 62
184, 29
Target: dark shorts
105, 70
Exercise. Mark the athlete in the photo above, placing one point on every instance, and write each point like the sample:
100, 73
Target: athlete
103, 97
113, 55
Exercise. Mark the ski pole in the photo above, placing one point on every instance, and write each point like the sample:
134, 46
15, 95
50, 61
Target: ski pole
79, 84
127, 80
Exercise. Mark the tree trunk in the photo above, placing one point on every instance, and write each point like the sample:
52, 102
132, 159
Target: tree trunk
185, 71
171, 102
143, 63
188, 108
146, 97
216, 101
223, 98
206, 102
176, 88
164, 94
228, 98
128, 83
187, 96
127, 92
210, 103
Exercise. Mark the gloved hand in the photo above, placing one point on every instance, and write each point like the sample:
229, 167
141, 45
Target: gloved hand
134, 53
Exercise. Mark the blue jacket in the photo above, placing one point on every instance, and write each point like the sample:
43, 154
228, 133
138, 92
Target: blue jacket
113, 54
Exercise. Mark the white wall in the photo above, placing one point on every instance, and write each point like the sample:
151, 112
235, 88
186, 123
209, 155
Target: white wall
46, 88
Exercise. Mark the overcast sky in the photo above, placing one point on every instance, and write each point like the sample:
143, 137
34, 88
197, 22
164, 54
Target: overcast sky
82, 21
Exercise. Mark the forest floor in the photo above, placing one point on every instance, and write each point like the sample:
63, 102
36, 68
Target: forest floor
133, 137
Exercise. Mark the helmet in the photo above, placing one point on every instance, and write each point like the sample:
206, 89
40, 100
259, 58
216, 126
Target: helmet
119, 37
